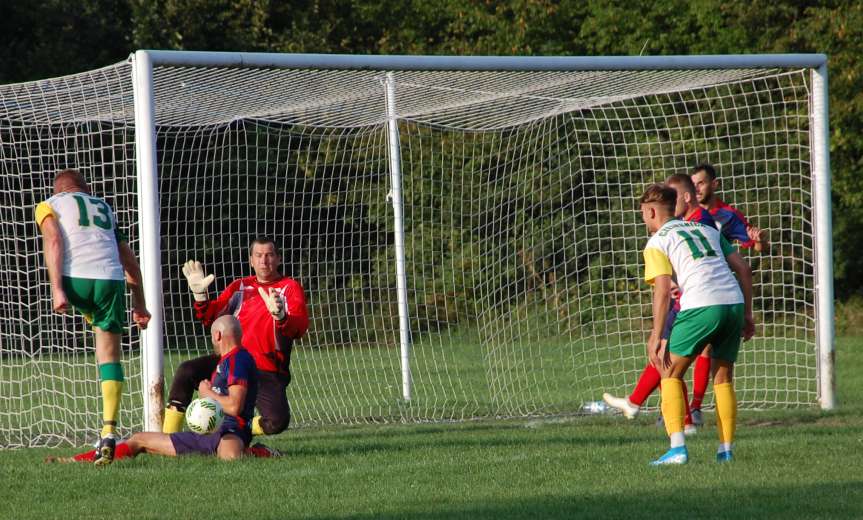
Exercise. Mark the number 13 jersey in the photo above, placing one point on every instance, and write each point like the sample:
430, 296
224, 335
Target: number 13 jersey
89, 232
696, 255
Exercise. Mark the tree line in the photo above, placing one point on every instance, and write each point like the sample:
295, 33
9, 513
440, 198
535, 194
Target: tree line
47, 38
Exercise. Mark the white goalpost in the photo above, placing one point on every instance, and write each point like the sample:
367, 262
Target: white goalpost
466, 228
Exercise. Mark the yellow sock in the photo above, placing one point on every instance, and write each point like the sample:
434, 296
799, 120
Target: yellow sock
673, 405
256, 426
111, 393
173, 421
726, 412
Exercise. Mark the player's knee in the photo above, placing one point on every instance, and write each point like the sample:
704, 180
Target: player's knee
723, 371
275, 424
230, 448
230, 454
185, 372
183, 386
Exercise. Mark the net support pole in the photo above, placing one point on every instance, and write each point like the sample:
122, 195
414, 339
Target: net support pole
150, 245
399, 227
820, 138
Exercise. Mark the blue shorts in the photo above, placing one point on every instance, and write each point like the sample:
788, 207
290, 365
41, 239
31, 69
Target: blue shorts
669, 320
189, 442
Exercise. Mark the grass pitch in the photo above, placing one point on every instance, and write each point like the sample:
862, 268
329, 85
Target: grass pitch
798, 464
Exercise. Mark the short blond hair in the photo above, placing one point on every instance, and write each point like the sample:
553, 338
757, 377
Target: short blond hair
662, 195
72, 177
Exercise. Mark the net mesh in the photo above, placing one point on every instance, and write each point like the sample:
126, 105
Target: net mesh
522, 231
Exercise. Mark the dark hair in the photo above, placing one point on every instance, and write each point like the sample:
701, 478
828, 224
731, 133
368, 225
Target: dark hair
681, 179
661, 194
262, 240
72, 176
706, 168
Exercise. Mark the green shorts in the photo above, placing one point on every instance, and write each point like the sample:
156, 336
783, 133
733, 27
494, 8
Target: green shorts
717, 325
102, 302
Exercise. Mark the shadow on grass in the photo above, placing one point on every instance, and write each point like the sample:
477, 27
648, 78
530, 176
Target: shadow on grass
473, 436
834, 501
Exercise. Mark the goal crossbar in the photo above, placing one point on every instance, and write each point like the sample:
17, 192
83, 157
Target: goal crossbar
481, 63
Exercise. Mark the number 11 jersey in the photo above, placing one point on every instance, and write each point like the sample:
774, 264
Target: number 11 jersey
89, 232
695, 254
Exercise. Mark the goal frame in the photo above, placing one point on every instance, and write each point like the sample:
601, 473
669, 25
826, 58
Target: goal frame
143, 62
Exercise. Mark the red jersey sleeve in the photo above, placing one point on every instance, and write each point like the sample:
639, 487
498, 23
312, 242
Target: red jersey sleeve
207, 312
296, 323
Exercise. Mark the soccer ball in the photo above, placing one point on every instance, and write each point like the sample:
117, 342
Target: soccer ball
204, 416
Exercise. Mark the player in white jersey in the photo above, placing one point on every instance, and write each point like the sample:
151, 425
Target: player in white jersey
715, 308
89, 265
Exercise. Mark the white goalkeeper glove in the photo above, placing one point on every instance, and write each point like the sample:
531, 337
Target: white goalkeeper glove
275, 303
198, 282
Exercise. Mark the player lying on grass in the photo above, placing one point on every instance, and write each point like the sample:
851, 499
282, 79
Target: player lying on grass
234, 385
272, 310
715, 308
686, 208
89, 266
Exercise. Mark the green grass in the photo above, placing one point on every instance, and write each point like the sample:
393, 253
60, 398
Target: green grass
790, 464
56, 399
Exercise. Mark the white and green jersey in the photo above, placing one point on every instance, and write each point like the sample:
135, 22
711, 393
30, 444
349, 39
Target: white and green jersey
695, 254
89, 235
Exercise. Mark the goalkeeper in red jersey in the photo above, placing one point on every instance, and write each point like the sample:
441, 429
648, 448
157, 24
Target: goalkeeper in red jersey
272, 311
687, 209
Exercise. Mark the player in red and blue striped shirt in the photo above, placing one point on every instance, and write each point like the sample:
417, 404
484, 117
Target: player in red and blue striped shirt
737, 230
732, 223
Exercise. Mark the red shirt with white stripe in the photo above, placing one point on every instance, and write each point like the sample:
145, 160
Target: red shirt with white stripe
268, 341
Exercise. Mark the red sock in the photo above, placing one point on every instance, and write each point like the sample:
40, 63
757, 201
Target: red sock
87, 456
122, 451
700, 378
647, 383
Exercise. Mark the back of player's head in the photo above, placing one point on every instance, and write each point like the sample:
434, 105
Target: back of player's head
229, 326
69, 179
682, 180
706, 168
261, 241
661, 195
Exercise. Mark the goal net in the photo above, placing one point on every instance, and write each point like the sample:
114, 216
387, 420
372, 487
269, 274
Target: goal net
523, 292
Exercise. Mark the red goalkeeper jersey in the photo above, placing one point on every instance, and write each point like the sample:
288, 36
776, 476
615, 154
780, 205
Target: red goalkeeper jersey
268, 341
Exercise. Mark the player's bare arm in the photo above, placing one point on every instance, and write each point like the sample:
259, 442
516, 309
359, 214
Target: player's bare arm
232, 404
655, 349
744, 277
134, 280
52, 243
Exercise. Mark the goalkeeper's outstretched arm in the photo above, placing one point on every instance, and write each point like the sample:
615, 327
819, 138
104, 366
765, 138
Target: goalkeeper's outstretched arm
207, 310
288, 310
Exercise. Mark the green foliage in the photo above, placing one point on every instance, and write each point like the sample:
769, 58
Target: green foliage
49, 37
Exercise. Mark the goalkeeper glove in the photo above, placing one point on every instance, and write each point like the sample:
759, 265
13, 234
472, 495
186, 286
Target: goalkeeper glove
275, 303
198, 283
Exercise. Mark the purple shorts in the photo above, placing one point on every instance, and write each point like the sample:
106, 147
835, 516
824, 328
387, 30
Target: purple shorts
189, 442
669, 320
